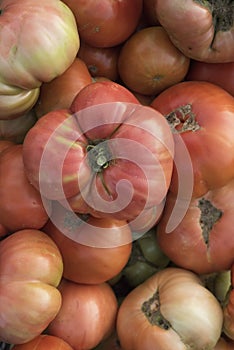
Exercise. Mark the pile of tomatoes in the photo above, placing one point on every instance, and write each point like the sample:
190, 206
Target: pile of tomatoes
117, 174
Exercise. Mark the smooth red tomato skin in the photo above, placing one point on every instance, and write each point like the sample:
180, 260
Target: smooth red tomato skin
221, 74
211, 145
101, 92
149, 63
87, 316
90, 263
21, 205
100, 61
105, 23
30, 270
42, 342
60, 92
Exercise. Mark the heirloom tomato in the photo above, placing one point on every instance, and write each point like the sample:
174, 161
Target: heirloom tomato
202, 30
42, 342
30, 270
172, 308
39, 41
60, 92
201, 116
21, 205
16, 102
203, 241
105, 23
115, 158
94, 250
149, 63
87, 315
221, 74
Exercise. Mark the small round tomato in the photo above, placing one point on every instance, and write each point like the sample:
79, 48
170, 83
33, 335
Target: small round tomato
101, 61
21, 205
105, 23
171, 308
42, 342
87, 315
149, 63
93, 250
30, 270
60, 92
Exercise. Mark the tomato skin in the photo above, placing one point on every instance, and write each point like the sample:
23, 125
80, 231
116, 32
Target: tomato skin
105, 23
14, 130
87, 315
211, 145
189, 244
176, 322
87, 262
101, 92
42, 342
149, 63
32, 287
21, 205
56, 37
100, 61
60, 92
221, 74
210, 34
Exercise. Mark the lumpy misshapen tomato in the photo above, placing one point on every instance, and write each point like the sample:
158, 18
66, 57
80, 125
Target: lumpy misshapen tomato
114, 158
31, 268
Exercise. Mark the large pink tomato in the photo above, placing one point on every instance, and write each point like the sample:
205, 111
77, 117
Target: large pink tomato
30, 270
39, 41
203, 30
116, 157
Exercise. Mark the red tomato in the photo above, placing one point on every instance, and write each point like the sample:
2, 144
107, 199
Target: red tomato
3, 231
101, 92
101, 61
202, 30
21, 205
14, 130
221, 74
111, 343
199, 241
42, 342
93, 250
201, 116
30, 270
118, 157
4, 144
224, 344
149, 63
87, 315
60, 92
171, 308
105, 23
